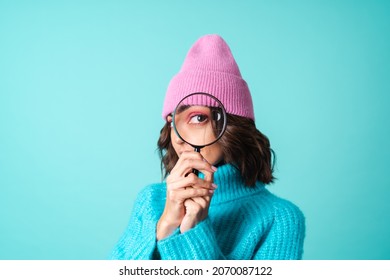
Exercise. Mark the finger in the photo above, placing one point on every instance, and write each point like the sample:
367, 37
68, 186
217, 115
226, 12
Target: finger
209, 176
182, 194
176, 178
202, 201
183, 157
207, 198
192, 160
192, 207
190, 181
194, 181
188, 203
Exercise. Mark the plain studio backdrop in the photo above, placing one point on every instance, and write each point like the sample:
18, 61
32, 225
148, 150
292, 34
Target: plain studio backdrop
82, 85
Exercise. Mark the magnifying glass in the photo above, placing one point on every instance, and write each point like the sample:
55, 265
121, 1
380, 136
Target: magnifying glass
199, 120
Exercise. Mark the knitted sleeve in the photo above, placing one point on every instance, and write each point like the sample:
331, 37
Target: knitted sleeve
139, 239
198, 243
284, 240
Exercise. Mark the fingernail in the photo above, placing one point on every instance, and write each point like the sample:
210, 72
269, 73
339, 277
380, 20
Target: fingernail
214, 186
211, 191
214, 168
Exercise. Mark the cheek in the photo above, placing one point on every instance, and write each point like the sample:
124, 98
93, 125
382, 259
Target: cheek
213, 154
174, 140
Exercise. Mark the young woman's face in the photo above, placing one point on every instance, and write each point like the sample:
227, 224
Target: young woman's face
213, 153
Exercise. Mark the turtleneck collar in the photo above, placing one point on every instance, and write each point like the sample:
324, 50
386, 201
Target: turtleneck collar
230, 185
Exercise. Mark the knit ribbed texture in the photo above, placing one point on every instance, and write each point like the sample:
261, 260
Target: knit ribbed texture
243, 223
209, 67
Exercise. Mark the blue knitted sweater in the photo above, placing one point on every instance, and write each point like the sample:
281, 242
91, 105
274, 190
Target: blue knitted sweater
243, 223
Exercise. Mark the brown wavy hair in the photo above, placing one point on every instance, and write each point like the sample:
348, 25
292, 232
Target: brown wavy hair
243, 146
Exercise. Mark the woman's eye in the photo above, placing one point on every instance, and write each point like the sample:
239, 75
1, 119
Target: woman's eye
198, 119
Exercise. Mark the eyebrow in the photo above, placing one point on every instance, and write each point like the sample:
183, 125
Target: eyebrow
182, 108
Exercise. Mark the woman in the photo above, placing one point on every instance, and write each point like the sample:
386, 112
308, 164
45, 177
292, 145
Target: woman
226, 212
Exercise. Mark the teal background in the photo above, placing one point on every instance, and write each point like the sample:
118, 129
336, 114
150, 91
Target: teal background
81, 91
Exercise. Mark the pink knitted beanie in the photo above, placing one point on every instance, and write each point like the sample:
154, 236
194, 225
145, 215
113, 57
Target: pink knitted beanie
210, 68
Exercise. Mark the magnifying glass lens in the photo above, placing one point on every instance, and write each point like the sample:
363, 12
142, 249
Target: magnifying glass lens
199, 119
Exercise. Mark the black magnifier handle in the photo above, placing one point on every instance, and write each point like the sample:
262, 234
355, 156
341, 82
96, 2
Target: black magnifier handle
195, 171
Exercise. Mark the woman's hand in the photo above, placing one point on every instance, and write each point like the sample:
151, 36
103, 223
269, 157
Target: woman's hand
183, 185
196, 211
197, 208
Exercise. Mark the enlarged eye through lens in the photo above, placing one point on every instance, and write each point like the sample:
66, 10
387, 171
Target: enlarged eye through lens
199, 120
